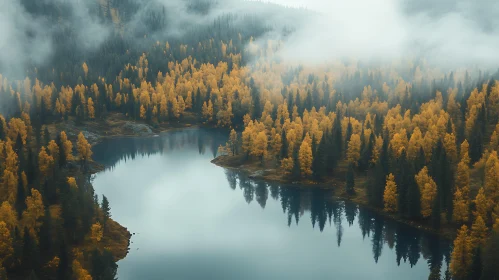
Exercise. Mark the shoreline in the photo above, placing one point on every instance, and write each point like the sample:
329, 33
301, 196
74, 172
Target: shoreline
272, 175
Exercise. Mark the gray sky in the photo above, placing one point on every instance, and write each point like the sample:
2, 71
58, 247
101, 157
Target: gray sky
448, 32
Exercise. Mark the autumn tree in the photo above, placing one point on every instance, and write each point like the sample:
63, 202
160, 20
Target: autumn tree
45, 162
481, 207
462, 254
90, 108
96, 233
84, 148
6, 245
461, 208
305, 157
260, 146
66, 148
479, 232
390, 196
34, 210
428, 190
353, 151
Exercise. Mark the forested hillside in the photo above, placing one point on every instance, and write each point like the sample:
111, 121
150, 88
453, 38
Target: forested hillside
426, 139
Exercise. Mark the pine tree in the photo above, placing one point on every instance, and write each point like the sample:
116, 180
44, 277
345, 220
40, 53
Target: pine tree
350, 181
106, 209
319, 166
476, 266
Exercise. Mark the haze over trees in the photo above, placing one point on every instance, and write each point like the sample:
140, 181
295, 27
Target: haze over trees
427, 138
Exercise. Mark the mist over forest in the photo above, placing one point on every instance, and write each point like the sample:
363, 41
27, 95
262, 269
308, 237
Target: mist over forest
393, 104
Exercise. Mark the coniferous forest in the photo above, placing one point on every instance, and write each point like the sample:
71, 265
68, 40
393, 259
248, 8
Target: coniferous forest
408, 138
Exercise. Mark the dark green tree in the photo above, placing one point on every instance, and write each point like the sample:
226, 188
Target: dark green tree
350, 181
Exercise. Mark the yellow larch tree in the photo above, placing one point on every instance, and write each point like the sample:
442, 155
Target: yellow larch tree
462, 255
353, 150
460, 212
479, 232
415, 144
90, 108
450, 147
428, 190
53, 150
9, 186
305, 157
491, 187
79, 272
45, 163
34, 210
6, 248
260, 144
481, 207
399, 142
96, 233
8, 215
84, 148
142, 112
67, 146
17, 126
390, 196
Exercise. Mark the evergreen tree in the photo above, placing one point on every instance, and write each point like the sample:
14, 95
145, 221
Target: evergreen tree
64, 269
296, 172
30, 256
367, 153
319, 166
476, 266
350, 181
284, 147
106, 209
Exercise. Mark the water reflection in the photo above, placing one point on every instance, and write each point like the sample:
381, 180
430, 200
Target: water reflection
111, 151
410, 245
189, 214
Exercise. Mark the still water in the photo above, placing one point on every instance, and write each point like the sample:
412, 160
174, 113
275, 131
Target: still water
195, 220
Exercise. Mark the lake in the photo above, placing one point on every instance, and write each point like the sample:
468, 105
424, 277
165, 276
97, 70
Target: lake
195, 220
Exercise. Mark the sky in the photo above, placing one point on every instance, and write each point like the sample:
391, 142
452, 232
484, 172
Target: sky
447, 32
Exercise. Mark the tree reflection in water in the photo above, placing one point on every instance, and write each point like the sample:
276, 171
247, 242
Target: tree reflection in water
410, 245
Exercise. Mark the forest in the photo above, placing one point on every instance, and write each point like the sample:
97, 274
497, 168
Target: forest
406, 137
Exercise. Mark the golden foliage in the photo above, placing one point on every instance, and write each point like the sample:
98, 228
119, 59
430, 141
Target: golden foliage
45, 162
305, 156
390, 196
67, 146
84, 148
479, 232
6, 248
353, 150
461, 208
34, 210
462, 254
8, 215
428, 190
96, 232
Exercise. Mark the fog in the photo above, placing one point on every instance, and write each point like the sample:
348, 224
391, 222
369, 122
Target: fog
28, 40
446, 33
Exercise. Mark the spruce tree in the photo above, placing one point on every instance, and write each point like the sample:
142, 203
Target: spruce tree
350, 181
106, 209
319, 162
